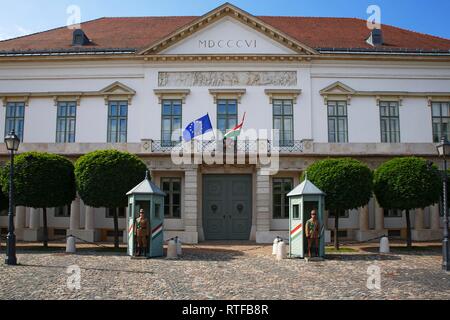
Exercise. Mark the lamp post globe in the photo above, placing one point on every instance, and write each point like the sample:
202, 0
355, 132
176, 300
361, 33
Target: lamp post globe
444, 151
12, 142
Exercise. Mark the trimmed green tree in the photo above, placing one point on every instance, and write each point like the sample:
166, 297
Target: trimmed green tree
42, 180
347, 184
405, 184
104, 177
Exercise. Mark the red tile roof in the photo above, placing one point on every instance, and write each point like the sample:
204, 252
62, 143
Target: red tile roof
141, 32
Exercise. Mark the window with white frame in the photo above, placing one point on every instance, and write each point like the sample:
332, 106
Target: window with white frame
280, 202
172, 202
390, 122
66, 122
171, 117
15, 115
441, 120
117, 121
121, 213
283, 120
337, 122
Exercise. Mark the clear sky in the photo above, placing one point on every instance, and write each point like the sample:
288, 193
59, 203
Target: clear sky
20, 17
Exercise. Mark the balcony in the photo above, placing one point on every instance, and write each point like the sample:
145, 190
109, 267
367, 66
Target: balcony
240, 146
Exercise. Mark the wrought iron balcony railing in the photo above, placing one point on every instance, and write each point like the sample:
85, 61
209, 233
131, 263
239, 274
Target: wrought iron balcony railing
239, 146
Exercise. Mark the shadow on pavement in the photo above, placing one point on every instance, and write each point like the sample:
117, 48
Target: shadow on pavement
432, 250
362, 257
84, 268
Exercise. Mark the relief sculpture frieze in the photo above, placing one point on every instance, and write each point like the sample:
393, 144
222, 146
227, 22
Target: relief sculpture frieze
228, 78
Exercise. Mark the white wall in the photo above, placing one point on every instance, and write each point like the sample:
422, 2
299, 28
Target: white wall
144, 122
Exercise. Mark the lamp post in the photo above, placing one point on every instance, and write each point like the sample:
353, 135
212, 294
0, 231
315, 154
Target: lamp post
444, 151
12, 142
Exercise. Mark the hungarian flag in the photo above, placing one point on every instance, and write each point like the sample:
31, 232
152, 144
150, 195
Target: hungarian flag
233, 134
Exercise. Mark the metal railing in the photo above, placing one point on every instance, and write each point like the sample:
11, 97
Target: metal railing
294, 146
239, 146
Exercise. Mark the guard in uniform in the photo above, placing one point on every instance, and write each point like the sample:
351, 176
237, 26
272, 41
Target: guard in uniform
312, 231
142, 234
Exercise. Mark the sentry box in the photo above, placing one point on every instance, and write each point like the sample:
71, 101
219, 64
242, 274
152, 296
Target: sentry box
303, 200
145, 236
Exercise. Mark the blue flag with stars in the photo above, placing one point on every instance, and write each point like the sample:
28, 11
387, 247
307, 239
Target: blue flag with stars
197, 128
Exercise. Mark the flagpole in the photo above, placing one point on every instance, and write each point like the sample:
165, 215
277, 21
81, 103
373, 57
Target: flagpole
211, 125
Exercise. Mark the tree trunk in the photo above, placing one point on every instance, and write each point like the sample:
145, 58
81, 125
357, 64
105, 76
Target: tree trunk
44, 217
116, 229
336, 230
408, 230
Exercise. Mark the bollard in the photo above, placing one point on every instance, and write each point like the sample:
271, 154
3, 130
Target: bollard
281, 251
384, 245
275, 246
179, 246
171, 249
70, 245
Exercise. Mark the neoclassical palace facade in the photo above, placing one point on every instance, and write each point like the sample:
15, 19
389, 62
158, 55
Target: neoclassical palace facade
332, 87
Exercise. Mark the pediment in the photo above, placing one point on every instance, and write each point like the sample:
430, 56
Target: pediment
337, 88
117, 88
228, 30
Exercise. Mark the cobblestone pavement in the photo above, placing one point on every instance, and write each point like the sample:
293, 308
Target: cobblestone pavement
218, 271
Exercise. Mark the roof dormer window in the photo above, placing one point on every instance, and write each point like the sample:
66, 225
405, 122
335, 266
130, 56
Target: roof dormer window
80, 38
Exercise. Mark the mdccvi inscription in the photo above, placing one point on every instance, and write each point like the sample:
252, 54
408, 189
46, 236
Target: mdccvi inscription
228, 78
208, 44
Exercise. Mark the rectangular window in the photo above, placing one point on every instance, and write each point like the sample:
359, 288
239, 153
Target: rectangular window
337, 122
394, 233
392, 213
15, 114
390, 122
441, 119
342, 214
65, 122
121, 212
60, 232
227, 115
280, 202
172, 201
62, 212
171, 117
117, 121
296, 211
283, 120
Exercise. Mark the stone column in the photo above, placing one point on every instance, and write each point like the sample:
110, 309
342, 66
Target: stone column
191, 219
20, 223
89, 224
364, 233
35, 219
435, 218
75, 215
364, 218
418, 219
263, 234
89, 233
435, 225
379, 218
420, 233
34, 232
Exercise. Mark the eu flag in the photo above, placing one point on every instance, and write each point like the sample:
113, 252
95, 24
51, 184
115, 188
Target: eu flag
197, 128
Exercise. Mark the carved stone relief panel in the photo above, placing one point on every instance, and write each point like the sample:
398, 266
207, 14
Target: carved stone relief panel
228, 79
